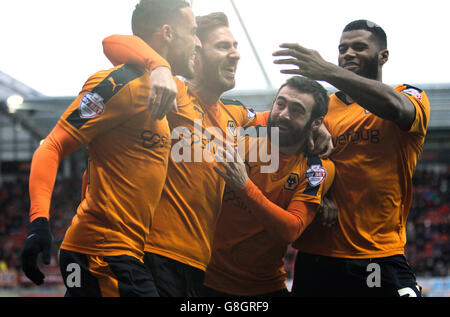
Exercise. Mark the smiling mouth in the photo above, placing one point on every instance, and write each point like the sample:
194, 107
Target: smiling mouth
229, 72
282, 127
350, 65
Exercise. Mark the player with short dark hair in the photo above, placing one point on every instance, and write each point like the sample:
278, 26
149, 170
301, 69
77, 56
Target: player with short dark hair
207, 23
320, 96
378, 132
128, 159
377, 32
263, 213
150, 15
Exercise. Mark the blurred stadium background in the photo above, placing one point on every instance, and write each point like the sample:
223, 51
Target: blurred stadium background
27, 116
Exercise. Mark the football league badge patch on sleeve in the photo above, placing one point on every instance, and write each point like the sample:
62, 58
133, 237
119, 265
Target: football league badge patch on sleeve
315, 175
91, 105
413, 92
250, 114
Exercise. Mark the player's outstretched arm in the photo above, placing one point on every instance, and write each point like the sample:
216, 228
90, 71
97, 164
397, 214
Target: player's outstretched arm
378, 98
44, 167
130, 49
285, 225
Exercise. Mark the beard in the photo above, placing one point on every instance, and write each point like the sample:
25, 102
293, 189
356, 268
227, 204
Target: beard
370, 70
294, 135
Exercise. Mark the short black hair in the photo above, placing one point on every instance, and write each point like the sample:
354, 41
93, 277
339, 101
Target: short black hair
309, 86
209, 22
376, 30
148, 15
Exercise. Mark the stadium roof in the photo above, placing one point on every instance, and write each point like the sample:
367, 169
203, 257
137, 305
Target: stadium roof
42, 112
10, 86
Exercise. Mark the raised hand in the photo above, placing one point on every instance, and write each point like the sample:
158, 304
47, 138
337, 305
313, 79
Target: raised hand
309, 63
163, 92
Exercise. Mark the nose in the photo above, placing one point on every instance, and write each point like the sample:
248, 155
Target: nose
349, 54
234, 54
284, 114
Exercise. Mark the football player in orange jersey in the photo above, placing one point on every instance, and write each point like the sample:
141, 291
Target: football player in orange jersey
178, 248
378, 132
262, 213
102, 252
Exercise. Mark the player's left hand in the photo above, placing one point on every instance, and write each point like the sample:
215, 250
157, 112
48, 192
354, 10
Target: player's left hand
320, 142
309, 63
39, 239
163, 92
235, 173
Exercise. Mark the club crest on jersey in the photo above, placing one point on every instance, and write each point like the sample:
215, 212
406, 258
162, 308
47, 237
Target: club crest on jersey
315, 175
292, 182
91, 105
231, 127
413, 92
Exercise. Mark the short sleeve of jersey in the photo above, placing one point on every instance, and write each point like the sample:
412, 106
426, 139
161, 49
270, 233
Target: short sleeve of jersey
422, 106
247, 115
315, 182
107, 99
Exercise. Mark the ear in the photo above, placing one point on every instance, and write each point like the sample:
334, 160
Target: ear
315, 125
167, 32
383, 57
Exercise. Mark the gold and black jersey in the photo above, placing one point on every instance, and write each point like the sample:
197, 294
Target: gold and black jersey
375, 162
191, 200
128, 157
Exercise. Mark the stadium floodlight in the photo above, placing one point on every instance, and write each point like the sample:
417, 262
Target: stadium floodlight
14, 102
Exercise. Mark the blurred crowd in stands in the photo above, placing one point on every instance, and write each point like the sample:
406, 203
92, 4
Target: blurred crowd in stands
14, 209
428, 244
427, 250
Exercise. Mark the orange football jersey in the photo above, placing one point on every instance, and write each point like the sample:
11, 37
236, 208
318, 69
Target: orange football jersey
186, 216
375, 162
246, 259
128, 157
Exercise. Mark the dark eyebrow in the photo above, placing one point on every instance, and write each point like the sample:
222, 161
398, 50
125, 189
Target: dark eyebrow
293, 103
234, 44
360, 43
353, 43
